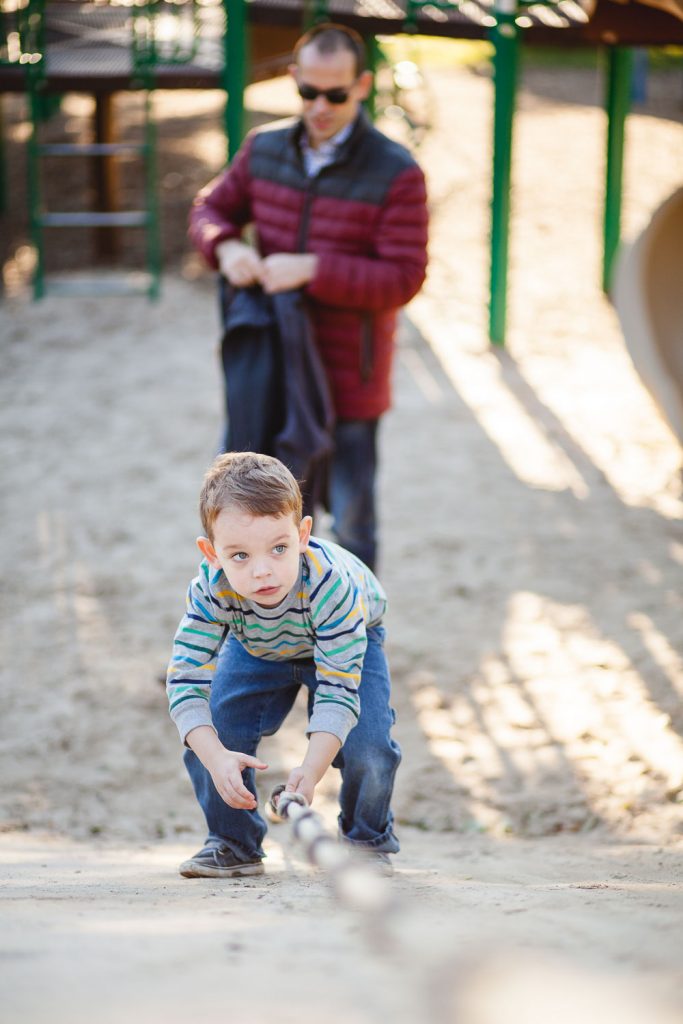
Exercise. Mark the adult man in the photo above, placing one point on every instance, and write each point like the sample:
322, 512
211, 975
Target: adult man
339, 210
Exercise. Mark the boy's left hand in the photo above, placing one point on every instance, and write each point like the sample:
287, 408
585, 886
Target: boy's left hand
322, 750
302, 781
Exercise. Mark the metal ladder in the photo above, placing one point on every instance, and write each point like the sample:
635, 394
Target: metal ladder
12, 26
141, 48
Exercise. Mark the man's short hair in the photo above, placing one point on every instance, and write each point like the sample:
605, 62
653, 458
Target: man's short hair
329, 37
259, 485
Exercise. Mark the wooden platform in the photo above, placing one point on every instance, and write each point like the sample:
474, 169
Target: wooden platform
473, 19
89, 46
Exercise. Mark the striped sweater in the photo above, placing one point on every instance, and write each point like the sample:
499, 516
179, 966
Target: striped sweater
324, 617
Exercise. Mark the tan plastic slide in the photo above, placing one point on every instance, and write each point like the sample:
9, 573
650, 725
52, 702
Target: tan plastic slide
648, 296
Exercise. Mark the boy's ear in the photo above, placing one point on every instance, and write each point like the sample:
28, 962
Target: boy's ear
209, 552
305, 528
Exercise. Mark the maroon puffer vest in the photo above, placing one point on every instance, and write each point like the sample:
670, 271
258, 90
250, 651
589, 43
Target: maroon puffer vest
365, 216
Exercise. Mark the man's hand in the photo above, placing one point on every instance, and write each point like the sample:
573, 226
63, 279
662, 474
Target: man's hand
239, 263
284, 271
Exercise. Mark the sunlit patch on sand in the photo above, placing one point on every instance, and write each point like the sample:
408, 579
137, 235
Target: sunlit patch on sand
545, 731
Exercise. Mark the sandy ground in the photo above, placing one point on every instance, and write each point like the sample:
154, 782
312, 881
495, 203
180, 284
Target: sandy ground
532, 552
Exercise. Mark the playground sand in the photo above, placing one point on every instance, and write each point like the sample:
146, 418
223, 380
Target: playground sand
532, 550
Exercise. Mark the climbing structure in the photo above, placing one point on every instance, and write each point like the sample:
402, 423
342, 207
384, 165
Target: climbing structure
104, 46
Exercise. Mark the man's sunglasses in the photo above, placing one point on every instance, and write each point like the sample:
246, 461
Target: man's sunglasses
335, 96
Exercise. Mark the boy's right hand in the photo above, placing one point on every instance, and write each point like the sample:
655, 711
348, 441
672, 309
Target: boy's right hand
226, 769
224, 766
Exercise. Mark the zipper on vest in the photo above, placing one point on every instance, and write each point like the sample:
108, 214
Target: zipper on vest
367, 346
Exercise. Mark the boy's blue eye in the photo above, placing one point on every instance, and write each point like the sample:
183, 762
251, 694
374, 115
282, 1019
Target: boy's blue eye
280, 549
239, 556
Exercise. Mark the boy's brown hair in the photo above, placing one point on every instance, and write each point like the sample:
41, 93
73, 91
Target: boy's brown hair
257, 484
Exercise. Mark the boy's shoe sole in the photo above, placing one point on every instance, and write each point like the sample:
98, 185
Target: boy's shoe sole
218, 862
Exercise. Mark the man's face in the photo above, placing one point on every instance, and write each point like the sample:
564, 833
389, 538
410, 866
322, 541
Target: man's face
329, 71
258, 554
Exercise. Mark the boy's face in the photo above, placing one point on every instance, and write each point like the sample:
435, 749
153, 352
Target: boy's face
258, 554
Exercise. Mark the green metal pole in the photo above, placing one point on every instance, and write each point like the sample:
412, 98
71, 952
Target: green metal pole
236, 48
505, 38
3, 161
34, 188
152, 198
619, 80
32, 41
374, 52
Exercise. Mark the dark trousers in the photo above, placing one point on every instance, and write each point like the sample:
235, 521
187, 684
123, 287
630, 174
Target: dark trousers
352, 488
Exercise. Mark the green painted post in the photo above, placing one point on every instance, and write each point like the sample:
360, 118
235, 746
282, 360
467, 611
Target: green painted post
619, 81
152, 199
374, 55
3, 161
236, 49
34, 185
505, 38
32, 37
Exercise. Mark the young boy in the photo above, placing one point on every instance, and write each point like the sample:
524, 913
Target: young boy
282, 609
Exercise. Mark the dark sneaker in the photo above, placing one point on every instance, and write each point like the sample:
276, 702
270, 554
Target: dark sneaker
219, 862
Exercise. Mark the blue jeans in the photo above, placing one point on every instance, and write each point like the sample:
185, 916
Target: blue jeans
352, 488
251, 697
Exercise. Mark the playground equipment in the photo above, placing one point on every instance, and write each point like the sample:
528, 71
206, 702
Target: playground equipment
51, 48
95, 25
238, 41
649, 300
616, 25
646, 284
107, 35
